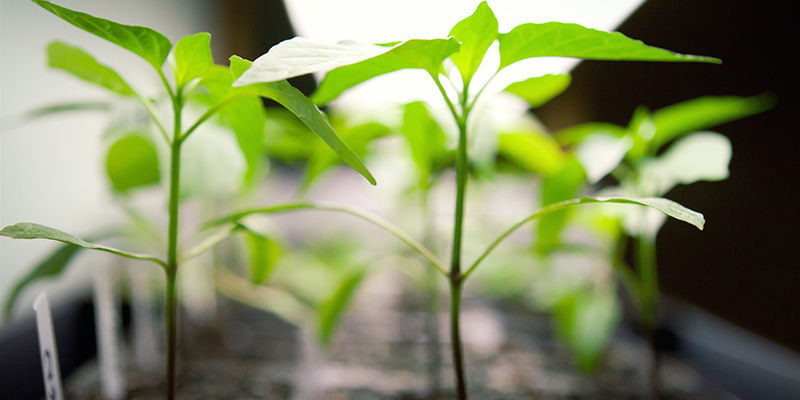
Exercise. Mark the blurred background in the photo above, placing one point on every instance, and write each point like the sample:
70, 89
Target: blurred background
738, 269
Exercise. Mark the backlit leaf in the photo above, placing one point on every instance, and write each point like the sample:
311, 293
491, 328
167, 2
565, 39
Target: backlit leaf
246, 117
601, 153
79, 63
539, 90
413, 54
264, 253
476, 33
585, 321
562, 185
192, 57
668, 207
330, 311
132, 162
425, 137
144, 42
534, 151
701, 156
557, 39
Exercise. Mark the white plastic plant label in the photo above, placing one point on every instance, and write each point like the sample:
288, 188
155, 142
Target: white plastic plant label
47, 348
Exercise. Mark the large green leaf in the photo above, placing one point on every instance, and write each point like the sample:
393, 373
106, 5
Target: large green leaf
300, 56
425, 137
132, 162
539, 90
534, 151
556, 39
79, 63
192, 57
704, 112
476, 33
144, 42
51, 266
412, 54
330, 311
27, 230
700, 156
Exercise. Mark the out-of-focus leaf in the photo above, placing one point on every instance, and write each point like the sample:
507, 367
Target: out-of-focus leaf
212, 164
27, 230
144, 42
286, 137
79, 63
246, 117
666, 206
300, 56
330, 311
575, 134
534, 151
132, 162
586, 321
192, 57
476, 33
412, 54
557, 39
701, 156
704, 112
561, 185
539, 90
50, 267
357, 137
425, 138
264, 255
642, 130
218, 80
601, 153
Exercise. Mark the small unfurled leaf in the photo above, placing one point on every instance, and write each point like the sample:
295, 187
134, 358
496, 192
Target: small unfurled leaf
585, 321
330, 311
300, 56
563, 184
425, 137
539, 90
704, 112
51, 266
264, 255
192, 57
27, 230
239, 66
575, 134
301, 106
703, 156
144, 42
534, 151
413, 54
246, 117
132, 162
601, 153
557, 39
79, 63
476, 33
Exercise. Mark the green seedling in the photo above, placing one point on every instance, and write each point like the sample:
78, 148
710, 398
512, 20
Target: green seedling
466, 48
195, 80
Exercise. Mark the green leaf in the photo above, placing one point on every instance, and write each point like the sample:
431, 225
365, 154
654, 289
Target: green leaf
534, 151
27, 230
212, 164
702, 113
476, 33
132, 162
700, 156
305, 110
666, 206
556, 39
330, 311
539, 90
425, 137
300, 56
412, 54
264, 254
192, 57
575, 134
218, 80
600, 153
286, 137
79, 63
144, 42
585, 321
246, 117
561, 185
358, 138
239, 66
51, 266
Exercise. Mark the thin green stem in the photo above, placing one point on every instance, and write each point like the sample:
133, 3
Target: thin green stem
209, 243
470, 106
455, 336
170, 315
447, 100
374, 219
210, 113
154, 116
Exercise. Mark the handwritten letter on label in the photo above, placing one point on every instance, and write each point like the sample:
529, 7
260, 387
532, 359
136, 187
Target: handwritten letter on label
47, 348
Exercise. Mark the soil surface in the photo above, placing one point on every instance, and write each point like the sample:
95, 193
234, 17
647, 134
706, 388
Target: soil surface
382, 353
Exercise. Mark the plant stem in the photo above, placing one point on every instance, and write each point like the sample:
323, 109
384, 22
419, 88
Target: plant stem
648, 275
455, 336
172, 247
455, 264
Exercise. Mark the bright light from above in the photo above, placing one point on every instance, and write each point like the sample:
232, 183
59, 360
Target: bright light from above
370, 21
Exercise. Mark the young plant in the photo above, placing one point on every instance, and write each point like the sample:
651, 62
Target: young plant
466, 48
194, 77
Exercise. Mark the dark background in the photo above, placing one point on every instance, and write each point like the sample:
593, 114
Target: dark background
741, 266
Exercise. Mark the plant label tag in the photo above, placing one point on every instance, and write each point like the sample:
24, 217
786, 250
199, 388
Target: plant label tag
107, 326
47, 348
